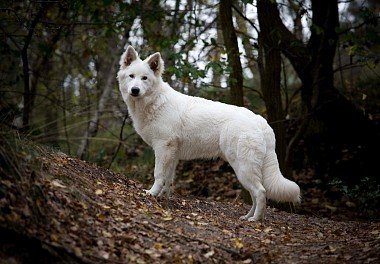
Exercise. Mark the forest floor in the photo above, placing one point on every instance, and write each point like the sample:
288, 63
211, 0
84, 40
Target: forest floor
71, 211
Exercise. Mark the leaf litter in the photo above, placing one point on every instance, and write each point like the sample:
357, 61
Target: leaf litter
88, 214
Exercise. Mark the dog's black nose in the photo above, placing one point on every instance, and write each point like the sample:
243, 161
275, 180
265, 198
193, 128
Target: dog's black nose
135, 91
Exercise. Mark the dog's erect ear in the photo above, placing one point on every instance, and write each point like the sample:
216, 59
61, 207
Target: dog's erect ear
128, 57
156, 63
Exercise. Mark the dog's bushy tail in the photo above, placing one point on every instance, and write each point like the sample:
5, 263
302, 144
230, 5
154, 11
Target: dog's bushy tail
277, 187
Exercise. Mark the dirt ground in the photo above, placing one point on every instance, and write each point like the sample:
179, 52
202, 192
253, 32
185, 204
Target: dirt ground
70, 211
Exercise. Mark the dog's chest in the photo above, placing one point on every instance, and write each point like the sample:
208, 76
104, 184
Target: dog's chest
147, 121
144, 129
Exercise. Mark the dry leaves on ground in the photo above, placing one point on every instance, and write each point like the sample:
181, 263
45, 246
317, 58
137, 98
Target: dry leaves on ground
92, 215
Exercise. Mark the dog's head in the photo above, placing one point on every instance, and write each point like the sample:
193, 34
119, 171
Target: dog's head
138, 78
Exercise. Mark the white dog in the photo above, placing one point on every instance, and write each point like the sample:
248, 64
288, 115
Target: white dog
182, 127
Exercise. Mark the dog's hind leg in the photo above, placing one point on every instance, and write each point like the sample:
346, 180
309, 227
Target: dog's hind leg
252, 210
260, 197
166, 161
245, 154
250, 179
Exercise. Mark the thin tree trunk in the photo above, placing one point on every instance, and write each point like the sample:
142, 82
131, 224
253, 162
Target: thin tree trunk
25, 67
231, 44
297, 9
93, 124
215, 53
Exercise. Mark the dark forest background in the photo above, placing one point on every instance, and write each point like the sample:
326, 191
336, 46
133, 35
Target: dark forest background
310, 67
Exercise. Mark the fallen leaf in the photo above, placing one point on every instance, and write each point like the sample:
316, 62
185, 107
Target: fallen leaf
153, 253
104, 254
266, 241
267, 230
78, 252
331, 248
237, 243
101, 217
54, 237
331, 208
209, 254
57, 183
107, 234
99, 192
158, 246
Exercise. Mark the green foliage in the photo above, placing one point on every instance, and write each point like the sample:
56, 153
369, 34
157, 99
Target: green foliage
188, 70
218, 67
366, 194
369, 16
361, 42
184, 70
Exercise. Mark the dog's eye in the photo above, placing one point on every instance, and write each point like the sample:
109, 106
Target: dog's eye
132, 76
144, 78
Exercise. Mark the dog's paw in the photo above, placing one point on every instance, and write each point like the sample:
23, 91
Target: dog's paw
244, 217
255, 219
149, 192
165, 192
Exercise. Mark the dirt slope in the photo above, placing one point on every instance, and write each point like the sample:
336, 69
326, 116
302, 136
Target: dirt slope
70, 211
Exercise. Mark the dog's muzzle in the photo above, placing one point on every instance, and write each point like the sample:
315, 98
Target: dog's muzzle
135, 91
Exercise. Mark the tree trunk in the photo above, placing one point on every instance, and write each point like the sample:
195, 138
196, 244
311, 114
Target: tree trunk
270, 76
231, 44
25, 66
215, 54
332, 125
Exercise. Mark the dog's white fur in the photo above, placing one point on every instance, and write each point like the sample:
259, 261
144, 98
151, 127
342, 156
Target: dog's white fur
182, 127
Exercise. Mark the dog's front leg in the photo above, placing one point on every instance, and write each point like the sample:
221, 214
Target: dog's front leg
166, 161
168, 183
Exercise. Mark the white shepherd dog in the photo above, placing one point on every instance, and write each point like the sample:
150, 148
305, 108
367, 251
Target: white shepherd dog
182, 127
